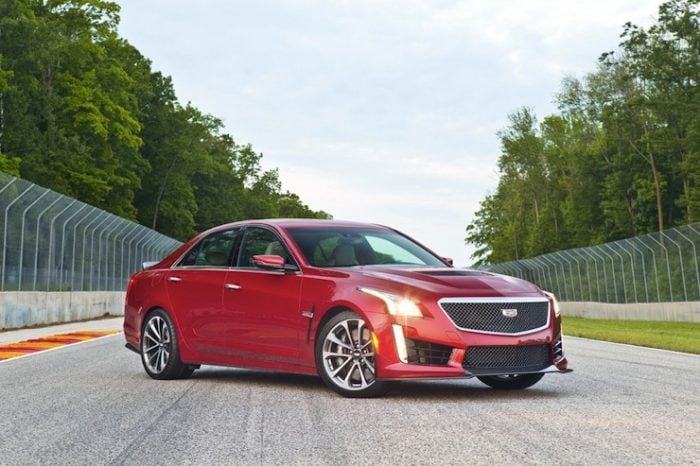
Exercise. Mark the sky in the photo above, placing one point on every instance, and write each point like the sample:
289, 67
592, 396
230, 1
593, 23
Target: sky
375, 110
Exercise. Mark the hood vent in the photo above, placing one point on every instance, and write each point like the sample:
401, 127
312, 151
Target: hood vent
455, 273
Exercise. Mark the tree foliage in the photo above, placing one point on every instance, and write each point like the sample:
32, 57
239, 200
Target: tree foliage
621, 158
82, 112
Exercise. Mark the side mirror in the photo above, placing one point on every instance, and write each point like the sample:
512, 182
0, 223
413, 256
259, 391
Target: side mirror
272, 262
148, 265
449, 261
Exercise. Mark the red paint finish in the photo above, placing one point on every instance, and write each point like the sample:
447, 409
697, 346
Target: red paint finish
244, 315
263, 315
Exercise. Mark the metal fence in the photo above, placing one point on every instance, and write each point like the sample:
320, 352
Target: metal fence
51, 242
657, 267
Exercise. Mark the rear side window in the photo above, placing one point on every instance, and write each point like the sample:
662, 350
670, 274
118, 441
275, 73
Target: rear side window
216, 250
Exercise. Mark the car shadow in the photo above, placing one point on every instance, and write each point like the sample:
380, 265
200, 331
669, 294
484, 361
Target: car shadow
424, 390
258, 377
461, 389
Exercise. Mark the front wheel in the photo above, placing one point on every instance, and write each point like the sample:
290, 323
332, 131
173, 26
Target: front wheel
512, 381
345, 357
160, 353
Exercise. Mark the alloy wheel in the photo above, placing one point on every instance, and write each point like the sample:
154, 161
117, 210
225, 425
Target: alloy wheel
157, 344
348, 355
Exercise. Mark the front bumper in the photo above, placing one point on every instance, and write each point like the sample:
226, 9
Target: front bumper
465, 374
547, 370
402, 371
443, 340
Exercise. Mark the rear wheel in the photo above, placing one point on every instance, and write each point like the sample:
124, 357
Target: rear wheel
160, 353
512, 381
345, 357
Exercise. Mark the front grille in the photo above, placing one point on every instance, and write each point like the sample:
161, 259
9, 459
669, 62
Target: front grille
493, 316
482, 359
423, 352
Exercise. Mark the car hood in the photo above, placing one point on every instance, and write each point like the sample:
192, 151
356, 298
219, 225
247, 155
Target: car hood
452, 282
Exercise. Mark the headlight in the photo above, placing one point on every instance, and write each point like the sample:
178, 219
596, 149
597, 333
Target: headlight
555, 303
396, 305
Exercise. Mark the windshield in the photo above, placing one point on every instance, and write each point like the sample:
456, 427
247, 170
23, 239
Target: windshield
348, 246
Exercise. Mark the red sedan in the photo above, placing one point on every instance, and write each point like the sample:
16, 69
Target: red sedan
360, 305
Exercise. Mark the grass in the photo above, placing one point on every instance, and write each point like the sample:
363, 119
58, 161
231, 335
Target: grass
676, 336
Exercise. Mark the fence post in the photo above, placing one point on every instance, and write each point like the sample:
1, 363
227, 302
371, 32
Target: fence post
605, 274
125, 228
653, 264
4, 235
555, 257
49, 265
668, 266
588, 256
644, 270
578, 268
115, 280
99, 250
75, 240
145, 248
162, 248
680, 258
622, 271
546, 260
139, 230
138, 251
21, 240
36, 245
63, 237
695, 254
99, 216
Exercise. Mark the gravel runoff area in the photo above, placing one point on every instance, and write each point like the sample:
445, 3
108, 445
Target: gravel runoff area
93, 404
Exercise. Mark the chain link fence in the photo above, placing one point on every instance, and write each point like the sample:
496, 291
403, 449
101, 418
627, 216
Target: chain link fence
656, 267
51, 242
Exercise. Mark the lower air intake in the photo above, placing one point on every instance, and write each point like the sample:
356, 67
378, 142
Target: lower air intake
486, 359
423, 352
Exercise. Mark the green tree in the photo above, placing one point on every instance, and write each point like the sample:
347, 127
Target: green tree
83, 112
620, 159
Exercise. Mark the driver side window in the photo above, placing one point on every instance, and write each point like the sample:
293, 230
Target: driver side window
259, 241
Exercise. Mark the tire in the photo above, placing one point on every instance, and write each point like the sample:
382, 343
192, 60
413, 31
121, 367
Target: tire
345, 357
511, 382
160, 354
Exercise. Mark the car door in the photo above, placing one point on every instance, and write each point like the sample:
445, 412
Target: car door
195, 287
262, 305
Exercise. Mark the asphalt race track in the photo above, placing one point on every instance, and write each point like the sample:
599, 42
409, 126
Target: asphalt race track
93, 404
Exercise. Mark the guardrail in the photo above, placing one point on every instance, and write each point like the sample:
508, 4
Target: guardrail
51, 242
656, 267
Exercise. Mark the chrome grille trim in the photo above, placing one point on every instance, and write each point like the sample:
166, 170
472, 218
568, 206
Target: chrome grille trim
505, 301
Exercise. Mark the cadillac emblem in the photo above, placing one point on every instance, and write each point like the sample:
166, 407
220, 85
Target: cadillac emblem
510, 313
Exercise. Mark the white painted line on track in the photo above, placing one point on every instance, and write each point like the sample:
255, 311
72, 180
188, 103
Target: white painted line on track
632, 346
36, 353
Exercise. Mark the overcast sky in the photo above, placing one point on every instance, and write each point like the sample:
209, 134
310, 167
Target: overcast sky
374, 110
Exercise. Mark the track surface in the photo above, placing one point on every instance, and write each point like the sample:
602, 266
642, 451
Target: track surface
93, 404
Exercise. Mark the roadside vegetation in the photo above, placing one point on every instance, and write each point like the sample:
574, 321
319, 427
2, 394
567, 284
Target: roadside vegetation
83, 112
619, 159
676, 336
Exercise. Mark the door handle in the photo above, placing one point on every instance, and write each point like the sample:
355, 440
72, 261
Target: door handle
174, 279
232, 286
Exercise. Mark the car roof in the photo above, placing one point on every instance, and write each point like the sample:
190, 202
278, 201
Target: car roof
306, 223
